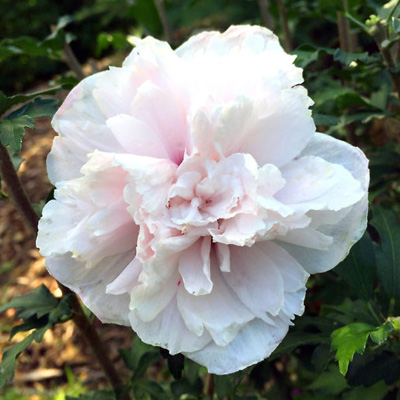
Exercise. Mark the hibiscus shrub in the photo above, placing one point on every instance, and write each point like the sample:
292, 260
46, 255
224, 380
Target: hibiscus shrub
215, 199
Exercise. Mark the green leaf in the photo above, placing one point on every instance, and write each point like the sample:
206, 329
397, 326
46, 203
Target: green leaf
7, 366
374, 366
325, 120
22, 45
12, 130
7, 102
37, 108
150, 388
330, 382
380, 334
389, 8
306, 54
375, 392
139, 357
103, 394
349, 340
347, 58
296, 339
396, 24
358, 269
36, 303
145, 12
40, 310
388, 251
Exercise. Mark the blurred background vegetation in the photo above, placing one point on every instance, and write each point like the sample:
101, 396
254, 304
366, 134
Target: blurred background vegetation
350, 54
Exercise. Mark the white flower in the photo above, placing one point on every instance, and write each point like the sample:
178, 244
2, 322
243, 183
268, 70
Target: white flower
194, 197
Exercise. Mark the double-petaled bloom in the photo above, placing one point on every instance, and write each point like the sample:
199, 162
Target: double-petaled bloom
194, 197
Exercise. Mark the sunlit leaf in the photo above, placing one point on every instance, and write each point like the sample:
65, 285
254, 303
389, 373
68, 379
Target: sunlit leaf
349, 340
37, 108
36, 303
12, 130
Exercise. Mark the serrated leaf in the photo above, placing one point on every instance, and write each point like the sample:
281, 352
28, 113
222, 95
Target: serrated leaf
358, 269
346, 58
388, 251
40, 310
36, 303
7, 366
380, 334
7, 102
29, 324
306, 54
37, 108
11, 131
349, 340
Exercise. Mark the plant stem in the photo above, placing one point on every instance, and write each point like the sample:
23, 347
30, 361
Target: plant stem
391, 306
346, 38
265, 15
73, 62
22, 203
388, 59
16, 191
162, 13
92, 338
374, 314
287, 37
210, 386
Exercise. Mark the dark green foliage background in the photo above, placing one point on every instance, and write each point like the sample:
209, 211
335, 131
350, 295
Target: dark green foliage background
347, 344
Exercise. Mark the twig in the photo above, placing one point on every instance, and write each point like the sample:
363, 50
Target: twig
22, 203
209, 386
162, 13
265, 15
16, 191
73, 62
346, 43
388, 59
287, 37
89, 332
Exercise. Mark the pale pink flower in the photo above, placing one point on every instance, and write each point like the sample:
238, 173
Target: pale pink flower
194, 197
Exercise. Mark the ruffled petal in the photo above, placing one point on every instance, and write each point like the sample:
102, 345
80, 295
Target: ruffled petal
194, 267
81, 125
345, 226
256, 341
90, 283
221, 313
169, 331
256, 280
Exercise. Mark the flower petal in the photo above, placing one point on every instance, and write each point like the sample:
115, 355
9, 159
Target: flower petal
169, 331
255, 341
256, 280
194, 267
220, 312
90, 283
